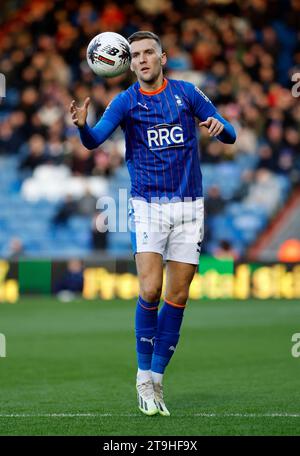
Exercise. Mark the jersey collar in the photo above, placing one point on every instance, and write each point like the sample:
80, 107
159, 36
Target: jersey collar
157, 91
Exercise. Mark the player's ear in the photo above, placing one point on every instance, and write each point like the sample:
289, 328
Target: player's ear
163, 58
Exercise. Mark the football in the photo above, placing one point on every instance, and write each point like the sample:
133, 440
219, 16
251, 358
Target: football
108, 54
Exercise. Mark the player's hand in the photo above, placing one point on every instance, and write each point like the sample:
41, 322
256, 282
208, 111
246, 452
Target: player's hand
215, 127
78, 114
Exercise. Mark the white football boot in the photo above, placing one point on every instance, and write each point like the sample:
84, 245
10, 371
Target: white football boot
159, 399
145, 396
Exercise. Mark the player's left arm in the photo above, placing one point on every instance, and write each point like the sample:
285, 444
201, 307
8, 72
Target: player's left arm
220, 128
207, 113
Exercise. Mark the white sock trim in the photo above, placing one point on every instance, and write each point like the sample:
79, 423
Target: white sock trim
143, 376
157, 378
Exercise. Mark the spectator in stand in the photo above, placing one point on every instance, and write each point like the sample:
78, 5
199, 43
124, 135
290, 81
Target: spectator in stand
72, 280
36, 153
7, 144
102, 167
86, 205
16, 249
68, 208
99, 232
56, 145
265, 191
214, 203
225, 251
81, 161
20, 135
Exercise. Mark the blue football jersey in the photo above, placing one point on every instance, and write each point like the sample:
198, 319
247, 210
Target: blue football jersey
161, 141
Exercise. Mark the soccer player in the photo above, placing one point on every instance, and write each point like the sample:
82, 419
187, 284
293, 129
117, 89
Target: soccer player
157, 116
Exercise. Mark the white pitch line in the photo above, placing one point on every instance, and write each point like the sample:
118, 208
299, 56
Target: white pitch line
248, 415
133, 415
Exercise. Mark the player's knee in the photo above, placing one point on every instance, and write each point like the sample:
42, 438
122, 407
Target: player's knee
178, 297
150, 293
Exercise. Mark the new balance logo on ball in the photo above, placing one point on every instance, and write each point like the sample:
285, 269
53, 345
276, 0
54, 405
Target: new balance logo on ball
164, 136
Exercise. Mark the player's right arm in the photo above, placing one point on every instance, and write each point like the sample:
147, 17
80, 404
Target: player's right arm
91, 138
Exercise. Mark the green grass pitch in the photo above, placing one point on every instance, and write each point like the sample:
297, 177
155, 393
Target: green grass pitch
70, 370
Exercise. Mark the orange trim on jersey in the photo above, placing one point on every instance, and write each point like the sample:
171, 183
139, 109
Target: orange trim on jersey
175, 305
148, 308
155, 92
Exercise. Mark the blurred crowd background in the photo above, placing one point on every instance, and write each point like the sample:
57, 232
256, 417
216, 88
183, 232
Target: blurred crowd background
242, 54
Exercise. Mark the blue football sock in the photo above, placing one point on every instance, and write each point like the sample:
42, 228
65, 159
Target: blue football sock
167, 336
145, 330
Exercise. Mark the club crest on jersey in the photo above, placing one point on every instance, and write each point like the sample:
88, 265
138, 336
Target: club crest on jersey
165, 136
178, 100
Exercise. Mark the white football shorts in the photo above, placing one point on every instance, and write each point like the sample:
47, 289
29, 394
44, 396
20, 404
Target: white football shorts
173, 229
